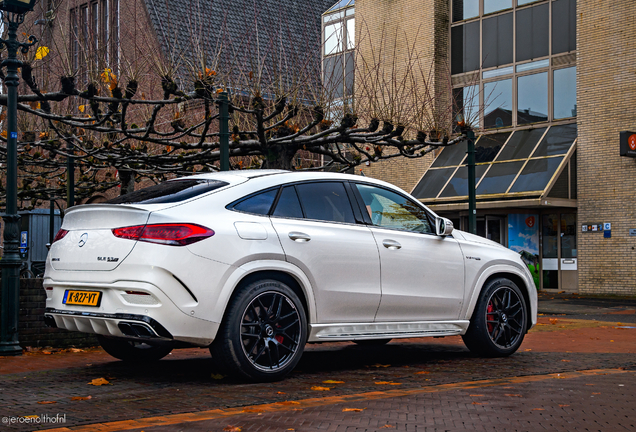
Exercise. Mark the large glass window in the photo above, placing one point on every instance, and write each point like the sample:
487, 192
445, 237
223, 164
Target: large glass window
564, 93
338, 45
532, 98
532, 32
497, 43
506, 41
465, 9
498, 104
465, 48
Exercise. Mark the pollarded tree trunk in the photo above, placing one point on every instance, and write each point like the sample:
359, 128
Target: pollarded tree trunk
127, 179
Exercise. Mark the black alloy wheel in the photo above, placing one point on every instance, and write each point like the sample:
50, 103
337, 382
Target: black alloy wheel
499, 321
505, 317
270, 331
263, 332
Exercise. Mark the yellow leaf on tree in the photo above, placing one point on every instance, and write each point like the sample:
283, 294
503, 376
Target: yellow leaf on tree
99, 382
3, 134
81, 108
42, 52
113, 82
106, 75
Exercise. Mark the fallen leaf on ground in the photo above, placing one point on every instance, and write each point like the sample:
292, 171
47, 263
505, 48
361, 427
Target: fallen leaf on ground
46, 352
46, 402
378, 365
477, 403
288, 403
387, 383
332, 382
319, 388
353, 409
553, 321
281, 393
538, 409
99, 382
564, 405
476, 395
597, 393
76, 350
387, 426
422, 372
229, 428
565, 360
513, 395
252, 410
76, 398
528, 349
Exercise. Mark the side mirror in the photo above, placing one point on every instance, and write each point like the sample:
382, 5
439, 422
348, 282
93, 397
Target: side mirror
443, 226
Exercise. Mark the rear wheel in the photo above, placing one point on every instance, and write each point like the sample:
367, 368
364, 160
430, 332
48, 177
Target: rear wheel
133, 351
263, 333
499, 321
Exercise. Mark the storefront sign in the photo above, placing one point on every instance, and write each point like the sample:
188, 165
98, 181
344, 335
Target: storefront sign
597, 227
632, 232
523, 237
628, 144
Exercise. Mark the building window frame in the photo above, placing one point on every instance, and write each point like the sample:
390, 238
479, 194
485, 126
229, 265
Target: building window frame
482, 76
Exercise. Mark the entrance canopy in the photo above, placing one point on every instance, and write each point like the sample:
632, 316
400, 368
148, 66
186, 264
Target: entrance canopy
523, 168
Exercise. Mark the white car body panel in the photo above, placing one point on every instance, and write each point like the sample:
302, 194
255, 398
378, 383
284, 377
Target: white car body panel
353, 286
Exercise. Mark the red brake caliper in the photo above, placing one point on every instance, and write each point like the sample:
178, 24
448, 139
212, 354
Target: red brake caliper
490, 317
279, 338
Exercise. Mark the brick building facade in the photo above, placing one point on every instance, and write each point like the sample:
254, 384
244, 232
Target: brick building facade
549, 85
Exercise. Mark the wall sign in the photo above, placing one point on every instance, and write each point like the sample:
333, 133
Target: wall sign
632, 232
597, 227
628, 144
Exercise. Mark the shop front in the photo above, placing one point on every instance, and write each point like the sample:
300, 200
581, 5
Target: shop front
526, 197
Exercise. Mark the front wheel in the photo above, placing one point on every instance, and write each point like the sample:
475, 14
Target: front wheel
499, 321
132, 351
263, 333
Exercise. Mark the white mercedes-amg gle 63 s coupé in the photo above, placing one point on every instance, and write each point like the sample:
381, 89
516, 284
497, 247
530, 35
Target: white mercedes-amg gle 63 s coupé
254, 264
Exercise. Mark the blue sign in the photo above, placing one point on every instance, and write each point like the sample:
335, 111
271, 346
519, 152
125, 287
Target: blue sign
14, 135
607, 234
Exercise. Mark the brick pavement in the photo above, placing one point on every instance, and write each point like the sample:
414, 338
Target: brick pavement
184, 384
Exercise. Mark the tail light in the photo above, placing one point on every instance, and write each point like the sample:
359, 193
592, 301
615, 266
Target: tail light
60, 235
168, 234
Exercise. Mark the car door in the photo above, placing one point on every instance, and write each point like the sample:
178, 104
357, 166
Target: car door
319, 233
422, 274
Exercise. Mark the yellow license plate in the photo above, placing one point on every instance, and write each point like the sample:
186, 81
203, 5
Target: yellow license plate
83, 298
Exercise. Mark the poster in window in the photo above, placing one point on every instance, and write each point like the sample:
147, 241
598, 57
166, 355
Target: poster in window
523, 238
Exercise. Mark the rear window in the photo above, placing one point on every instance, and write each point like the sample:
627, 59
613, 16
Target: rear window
169, 192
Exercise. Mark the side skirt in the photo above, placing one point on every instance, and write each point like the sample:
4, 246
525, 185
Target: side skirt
392, 330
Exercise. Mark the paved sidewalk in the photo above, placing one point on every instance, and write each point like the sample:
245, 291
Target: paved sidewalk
574, 371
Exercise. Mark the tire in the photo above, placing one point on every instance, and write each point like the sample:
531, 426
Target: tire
499, 321
372, 342
133, 351
263, 332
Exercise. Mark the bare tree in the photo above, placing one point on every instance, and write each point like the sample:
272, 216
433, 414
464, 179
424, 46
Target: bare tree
158, 117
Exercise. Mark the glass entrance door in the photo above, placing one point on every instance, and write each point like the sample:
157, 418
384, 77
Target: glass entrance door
559, 251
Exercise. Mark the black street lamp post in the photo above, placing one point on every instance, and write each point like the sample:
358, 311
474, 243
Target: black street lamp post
13, 11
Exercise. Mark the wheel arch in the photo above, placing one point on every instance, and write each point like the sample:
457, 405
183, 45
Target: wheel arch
528, 292
282, 271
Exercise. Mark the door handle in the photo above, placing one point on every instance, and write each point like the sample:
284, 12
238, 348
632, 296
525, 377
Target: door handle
391, 244
299, 237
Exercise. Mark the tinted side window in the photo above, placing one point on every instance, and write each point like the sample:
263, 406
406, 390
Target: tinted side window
169, 192
258, 204
391, 210
288, 204
326, 201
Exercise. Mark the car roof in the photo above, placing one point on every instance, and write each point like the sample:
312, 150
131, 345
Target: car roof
283, 176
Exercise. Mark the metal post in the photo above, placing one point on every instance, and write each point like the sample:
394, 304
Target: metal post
9, 316
70, 178
224, 131
472, 202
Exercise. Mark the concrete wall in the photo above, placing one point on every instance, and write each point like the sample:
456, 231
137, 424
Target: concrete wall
606, 96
